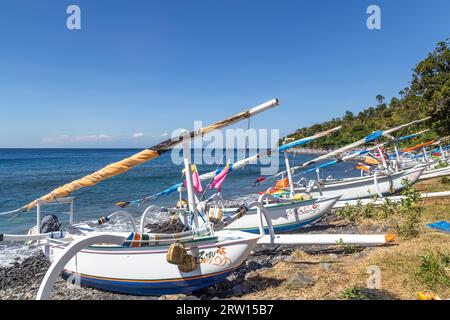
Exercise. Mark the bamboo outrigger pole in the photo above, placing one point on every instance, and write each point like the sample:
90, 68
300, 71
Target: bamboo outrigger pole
122, 166
241, 163
374, 136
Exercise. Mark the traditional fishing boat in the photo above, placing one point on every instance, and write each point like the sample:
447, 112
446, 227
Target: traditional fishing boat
366, 187
139, 266
382, 182
286, 214
436, 160
145, 263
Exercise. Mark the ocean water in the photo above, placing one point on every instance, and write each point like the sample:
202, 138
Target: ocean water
26, 174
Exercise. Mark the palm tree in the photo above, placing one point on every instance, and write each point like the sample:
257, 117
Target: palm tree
380, 99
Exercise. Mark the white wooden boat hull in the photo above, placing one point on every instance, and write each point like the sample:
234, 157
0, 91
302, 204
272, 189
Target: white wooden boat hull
145, 271
364, 187
434, 173
285, 216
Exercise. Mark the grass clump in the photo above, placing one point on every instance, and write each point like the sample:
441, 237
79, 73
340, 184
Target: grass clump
353, 293
434, 269
445, 180
406, 214
348, 248
442, 164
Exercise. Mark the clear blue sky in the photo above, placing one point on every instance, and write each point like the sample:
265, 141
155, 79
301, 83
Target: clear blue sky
148, 67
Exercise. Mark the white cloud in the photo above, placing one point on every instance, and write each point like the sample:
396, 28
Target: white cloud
165, 134
68, 139
137, 135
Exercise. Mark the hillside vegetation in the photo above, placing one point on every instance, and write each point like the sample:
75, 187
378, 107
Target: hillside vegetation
427, 95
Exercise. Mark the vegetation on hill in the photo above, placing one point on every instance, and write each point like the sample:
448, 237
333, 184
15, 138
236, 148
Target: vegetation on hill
427, 95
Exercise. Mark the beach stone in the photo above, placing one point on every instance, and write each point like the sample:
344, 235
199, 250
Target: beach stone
287, 259
238, 289
333, 255
299, 280
361, 255
327, 266
232, 277
265, 249
172, 297
252, 265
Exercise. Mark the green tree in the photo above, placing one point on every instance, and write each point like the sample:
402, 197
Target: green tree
380, 99
431, 83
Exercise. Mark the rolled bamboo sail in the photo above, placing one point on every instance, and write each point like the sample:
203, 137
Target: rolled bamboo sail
418, 146
122, 166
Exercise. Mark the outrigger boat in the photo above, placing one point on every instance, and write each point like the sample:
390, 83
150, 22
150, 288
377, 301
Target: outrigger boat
287, 211
436, 160
137, 262
383, 182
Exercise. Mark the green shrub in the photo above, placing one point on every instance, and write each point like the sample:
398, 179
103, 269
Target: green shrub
434, 269
353, 293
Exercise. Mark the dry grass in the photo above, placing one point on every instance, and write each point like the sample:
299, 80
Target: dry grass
432, 185
398, 263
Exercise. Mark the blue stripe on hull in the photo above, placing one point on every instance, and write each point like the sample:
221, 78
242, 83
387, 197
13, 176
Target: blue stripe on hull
150, 288
287, 227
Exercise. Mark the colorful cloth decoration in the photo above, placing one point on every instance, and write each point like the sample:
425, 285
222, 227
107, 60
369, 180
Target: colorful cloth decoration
220, 177
103, 220
196, 183
362, 167
259, 180
122, 204
136, 240
421, 145
374, 135
371, 161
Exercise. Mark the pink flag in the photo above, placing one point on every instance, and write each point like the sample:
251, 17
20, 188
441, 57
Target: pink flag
220, 178
196, 183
